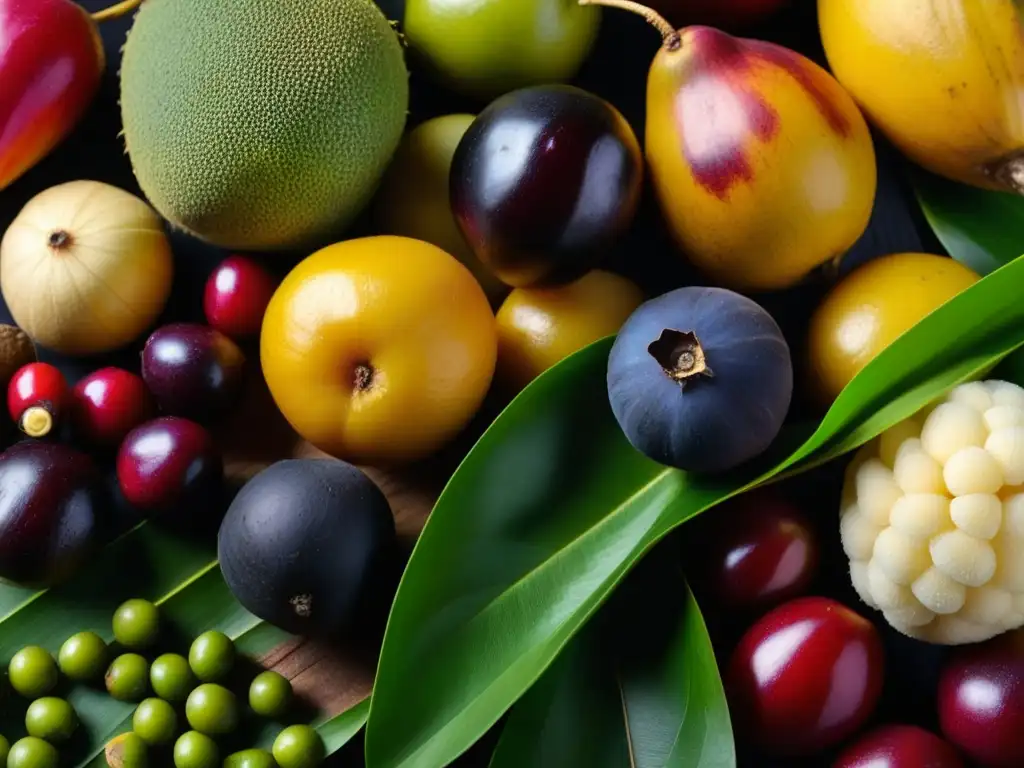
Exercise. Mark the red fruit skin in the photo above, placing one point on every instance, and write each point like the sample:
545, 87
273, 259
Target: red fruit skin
169, 464
761, 552
236, 297
108, 404
981, 701
725, 13
899, 746
51, 62
37, 385
805, 676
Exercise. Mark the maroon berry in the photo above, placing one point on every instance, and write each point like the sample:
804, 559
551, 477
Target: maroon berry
37, 396
108, 404
759, 552
805, 676
193, 371
899, 746
237, 294
169, 464
981, 701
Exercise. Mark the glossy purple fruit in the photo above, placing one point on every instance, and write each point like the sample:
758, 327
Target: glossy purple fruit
899, 746
544, 182
193, 371
50, 496
700, 379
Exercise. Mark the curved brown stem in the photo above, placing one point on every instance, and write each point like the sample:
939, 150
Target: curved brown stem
669, 34
116, 11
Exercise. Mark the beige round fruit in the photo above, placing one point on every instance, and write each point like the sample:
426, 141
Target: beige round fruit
413, 199
85, 268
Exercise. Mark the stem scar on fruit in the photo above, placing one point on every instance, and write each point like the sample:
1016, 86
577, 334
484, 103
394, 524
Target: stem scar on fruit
302, 605
116, 11
672, 39
37, 421
59, 240
680, 355
364, 376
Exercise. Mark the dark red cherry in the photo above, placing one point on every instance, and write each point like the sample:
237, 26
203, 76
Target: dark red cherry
899, 746
806, 676
981, 701
108, 404
237, 294
193, 371
758, 551
544, 182
170, 465
37, 397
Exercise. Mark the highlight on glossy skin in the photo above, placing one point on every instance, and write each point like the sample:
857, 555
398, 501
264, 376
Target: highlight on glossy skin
51, 60
899, 746
109, 403
236, 296
941, 78
763, 165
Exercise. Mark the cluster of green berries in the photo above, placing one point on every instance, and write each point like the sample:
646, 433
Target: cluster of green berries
210, 709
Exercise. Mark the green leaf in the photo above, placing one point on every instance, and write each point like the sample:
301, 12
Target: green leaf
185, 580
981, 229
553, 507
640, 687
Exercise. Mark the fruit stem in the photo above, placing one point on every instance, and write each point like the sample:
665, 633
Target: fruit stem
680, 355
669, 34
36, 422
116, 11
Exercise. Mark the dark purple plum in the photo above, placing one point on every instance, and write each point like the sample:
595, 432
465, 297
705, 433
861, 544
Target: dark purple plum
544, 182
700, 379
50, 498
193, 371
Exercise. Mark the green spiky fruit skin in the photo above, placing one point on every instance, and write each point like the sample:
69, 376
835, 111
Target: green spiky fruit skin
262, 125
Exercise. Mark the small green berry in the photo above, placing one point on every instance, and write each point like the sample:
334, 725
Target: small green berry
171, 677
127, 751
211, 656
270, 694
32, 752
83, 657
250, 758
127, 678
51, 719
298, 746
195, 750
155, 721
32, 672
5, 750
212, 709
136, 624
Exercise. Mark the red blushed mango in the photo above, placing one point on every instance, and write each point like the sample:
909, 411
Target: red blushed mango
762, 163
51, 60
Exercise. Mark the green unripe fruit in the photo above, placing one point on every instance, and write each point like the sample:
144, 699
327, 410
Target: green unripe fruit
250, 758
155, 721
136, 624
127, 750
127, 678
83, 657
32, 672
212, 709
270, 694
51, 719
298, 746
171, 677
211, 656
195, 750
32, 752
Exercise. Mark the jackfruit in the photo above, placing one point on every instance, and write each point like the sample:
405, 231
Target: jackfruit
262, 125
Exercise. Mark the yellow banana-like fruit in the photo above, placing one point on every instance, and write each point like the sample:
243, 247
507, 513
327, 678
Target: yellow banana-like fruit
942, 79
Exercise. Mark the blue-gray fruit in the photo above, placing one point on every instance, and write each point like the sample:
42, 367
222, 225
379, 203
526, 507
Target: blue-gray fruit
700, 379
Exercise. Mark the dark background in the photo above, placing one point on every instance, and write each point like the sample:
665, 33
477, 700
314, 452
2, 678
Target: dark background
617, 71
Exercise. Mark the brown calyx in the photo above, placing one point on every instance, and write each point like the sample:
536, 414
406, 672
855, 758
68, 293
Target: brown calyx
1008, 172
59, 240
680, 355
302, 605
363, 376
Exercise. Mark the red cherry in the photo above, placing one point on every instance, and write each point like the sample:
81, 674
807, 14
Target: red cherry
51, 61
237, 294
805, 676
981, 701
899, 746
37, 396
108, 404
759, 552
169, 464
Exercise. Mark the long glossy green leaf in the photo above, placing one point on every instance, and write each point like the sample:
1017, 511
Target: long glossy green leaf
979, 228
640, 687
552, 508
185, 580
